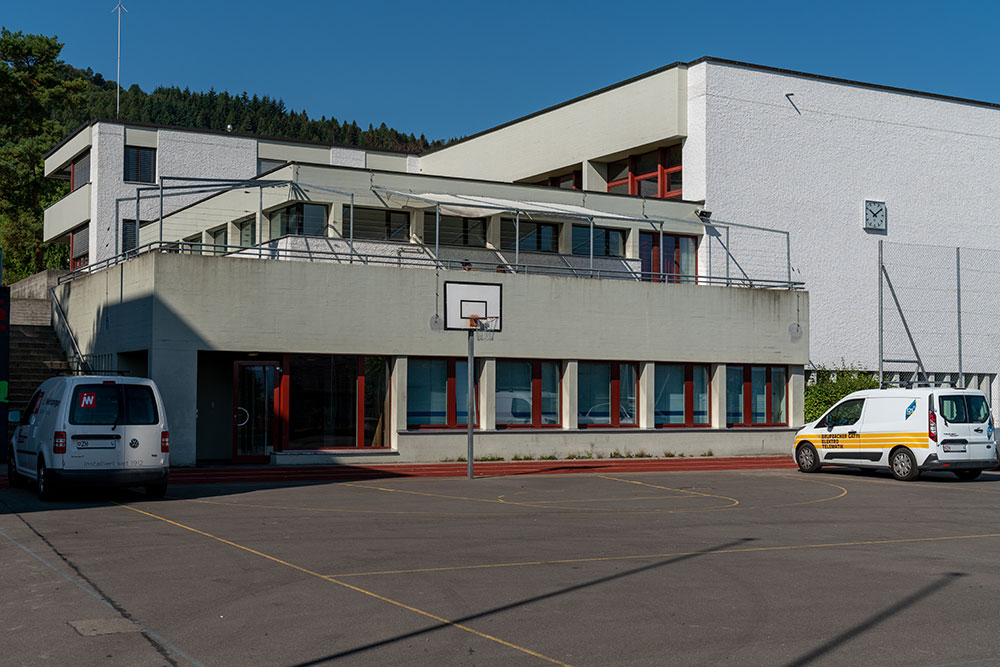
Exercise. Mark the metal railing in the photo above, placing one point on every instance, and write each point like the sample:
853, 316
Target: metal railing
273, 250
60, 323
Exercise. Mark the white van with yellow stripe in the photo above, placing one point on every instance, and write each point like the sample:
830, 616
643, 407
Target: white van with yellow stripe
905, 430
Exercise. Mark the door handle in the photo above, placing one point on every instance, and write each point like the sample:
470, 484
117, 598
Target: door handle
245, 420
978, 430
852, 433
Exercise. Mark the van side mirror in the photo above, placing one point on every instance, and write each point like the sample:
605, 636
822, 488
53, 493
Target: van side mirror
13, 416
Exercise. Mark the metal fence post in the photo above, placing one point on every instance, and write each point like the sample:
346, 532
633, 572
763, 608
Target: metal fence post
881, 354
788, 257
958, 297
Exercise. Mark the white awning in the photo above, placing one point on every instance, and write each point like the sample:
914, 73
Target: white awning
473, 206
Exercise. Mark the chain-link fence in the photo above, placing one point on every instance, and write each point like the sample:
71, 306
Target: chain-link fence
936, 314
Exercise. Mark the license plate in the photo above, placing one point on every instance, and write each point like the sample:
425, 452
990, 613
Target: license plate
95, 444
954, 448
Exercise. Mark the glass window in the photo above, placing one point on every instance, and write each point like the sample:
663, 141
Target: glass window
593, 402
845, 414
267, 165
218, 239
678, 257
248, 232
322, 401
618, 171
427, 393
778, 391
758, 394
964, 409
647, 163
535, 236
376, 406
701, 384
80, 171
455, 231
513, 392
607, 242
140, 405
979, 410
549, 371
734, 395
653, 174
95, 404
140, 164
628, 384
130, 235
299, 220
669, 400
377, 224
461, 398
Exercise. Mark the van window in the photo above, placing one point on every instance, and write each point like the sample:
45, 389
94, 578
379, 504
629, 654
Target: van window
32, 408
109, 404
964, 409
845, 414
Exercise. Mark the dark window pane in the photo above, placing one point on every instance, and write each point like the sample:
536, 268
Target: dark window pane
758, 394
669, 394
953, 409
455, 231
674, 181
567, 182
535, 236
95, 405
550, 392
734, 395
617, 171
700, 378
376, 401
81, 171
979, 411
322, 401
621, 189
593, 403
778, 395
648, 187
140, 164
627, 393
377, 224
140, 405
313, 220
647, 163
248, 232
513, 392
130, 235
427, 392
673, 156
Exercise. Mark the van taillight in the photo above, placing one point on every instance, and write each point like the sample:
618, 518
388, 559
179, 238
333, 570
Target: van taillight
59, 442
164, 442
932, 426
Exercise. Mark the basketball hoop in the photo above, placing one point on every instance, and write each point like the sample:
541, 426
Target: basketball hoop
483, 326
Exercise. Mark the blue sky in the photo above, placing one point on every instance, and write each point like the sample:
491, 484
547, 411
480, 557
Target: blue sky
454, 68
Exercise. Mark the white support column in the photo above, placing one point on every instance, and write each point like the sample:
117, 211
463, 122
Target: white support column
416, 226
717, 400
487, 394
397, 404
796, 396
493, 232
569, 380
334, 223
566, 238
647, 394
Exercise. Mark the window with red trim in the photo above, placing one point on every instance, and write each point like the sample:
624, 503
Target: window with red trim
606, 395
654, 174
676, 261
570, 181
527, 394
681, 395
756, 396
437, 393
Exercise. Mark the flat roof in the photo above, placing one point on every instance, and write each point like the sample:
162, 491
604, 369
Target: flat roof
721, 61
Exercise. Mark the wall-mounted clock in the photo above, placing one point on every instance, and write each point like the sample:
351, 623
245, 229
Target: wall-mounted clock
875, 215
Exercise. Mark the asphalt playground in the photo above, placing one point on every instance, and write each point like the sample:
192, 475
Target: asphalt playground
671, 567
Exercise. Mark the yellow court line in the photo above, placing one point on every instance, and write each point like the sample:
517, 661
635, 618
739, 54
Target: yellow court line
395, 603
326, 509
499, 501
667, 488
604, 559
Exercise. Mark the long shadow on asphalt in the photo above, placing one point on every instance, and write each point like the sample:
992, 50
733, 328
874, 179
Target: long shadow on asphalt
872, 621
520, 603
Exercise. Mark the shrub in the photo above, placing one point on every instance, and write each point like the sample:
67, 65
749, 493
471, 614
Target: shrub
832, 384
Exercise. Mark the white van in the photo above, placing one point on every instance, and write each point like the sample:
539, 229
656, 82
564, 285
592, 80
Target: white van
102, 430
905, 430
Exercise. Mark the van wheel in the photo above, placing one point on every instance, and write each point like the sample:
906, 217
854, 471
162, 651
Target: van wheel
903, 465
967, 475
46, 489
807, 458
156, 490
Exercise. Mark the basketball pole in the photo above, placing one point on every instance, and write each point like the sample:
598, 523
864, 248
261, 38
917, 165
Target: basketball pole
472, 396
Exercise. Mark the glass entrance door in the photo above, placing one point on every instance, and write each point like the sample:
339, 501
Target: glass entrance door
256, 388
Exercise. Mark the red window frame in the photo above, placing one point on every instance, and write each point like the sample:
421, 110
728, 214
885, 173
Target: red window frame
553, 181
536, 396
655, 275
452, 405
689, 397
77, 262
616, 395
283, 407
748, 397
661, 173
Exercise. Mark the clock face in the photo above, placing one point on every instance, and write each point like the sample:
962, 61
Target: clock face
875, 215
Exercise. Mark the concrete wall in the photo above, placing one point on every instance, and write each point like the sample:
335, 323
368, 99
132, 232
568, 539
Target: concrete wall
176, 305
68, 213
636, 114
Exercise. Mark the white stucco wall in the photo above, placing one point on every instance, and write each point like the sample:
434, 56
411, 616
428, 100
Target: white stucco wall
757, 159
178, 153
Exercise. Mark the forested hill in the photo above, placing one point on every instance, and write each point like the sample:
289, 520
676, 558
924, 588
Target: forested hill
214, 111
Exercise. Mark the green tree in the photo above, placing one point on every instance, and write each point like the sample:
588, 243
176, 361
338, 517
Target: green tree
832, 384
32, 86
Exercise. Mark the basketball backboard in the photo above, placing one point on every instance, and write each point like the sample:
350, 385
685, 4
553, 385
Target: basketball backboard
464, 303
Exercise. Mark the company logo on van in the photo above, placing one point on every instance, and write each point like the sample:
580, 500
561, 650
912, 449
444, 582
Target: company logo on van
910, 408
133, 443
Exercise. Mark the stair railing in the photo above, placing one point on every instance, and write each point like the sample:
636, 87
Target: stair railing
60, 323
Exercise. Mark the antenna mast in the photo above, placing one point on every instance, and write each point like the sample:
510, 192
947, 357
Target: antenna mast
118, 72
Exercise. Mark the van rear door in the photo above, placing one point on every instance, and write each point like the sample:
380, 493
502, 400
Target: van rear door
966, 427
142, 427
94, 430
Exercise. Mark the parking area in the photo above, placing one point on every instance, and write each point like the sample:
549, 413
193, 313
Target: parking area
691, 568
